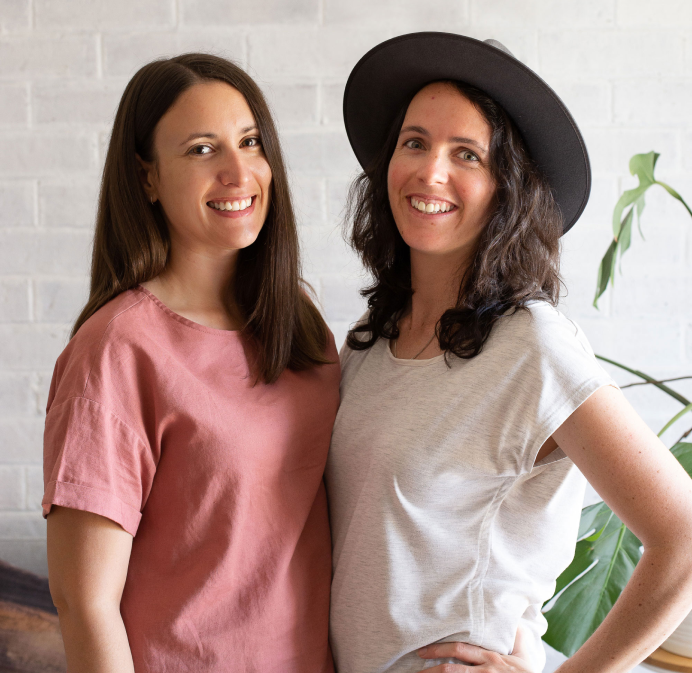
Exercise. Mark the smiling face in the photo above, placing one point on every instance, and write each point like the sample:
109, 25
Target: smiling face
210, 173
441, 189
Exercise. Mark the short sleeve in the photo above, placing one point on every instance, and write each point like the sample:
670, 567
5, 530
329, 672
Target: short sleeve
95, 462
560, 373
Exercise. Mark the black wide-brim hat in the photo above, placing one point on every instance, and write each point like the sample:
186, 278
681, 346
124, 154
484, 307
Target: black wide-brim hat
391, 73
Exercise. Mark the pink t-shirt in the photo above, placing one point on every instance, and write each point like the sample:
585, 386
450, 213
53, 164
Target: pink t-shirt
154, 422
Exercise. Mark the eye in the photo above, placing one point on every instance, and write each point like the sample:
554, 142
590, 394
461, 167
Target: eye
467, 155
251, 142
414, 144
200, 150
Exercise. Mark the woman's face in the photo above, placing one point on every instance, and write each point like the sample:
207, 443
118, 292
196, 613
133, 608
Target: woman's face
210, 173
441, 190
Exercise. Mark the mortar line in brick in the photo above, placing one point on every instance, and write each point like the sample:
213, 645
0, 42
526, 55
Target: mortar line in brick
177, 20
319, 102
320, 12
35, 199
30, 105
32, 17
99, 55
25, 488
31, 300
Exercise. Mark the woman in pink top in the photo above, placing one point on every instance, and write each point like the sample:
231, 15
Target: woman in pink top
190, 415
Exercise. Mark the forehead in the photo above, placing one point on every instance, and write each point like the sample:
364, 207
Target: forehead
208, 106
441, 106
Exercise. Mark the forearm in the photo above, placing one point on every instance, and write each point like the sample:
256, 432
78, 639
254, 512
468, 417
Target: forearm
655, 600
95, 640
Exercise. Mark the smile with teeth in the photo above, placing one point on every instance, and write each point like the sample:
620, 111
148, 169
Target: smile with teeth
231, 205
431, 206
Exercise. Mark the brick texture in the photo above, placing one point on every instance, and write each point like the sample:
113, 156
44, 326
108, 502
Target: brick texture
104, 14
15, 105
624, 68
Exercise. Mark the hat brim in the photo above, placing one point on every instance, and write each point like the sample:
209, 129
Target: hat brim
392, 72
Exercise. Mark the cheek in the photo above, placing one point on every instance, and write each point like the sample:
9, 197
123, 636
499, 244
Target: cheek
394, 176
177, 186
261, 170
480, 192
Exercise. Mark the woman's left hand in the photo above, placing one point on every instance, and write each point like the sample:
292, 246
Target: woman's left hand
477, 658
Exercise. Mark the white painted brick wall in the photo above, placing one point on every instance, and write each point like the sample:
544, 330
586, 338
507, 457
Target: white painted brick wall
624, 67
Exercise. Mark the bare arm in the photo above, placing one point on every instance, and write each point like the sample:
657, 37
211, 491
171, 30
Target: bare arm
88, 557
646, 487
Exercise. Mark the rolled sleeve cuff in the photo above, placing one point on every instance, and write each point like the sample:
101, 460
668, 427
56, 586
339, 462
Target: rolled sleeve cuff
88, 499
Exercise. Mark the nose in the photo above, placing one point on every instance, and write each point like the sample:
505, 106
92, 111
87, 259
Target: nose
433, 168
234, 169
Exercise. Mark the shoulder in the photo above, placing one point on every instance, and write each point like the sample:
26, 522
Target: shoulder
115, 329
117, 315
541, 344
122, 320
346, 354
539, 327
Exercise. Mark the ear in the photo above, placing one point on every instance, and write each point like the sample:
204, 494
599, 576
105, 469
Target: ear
147, 176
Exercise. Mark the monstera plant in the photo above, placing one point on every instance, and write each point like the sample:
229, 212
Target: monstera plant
607, 551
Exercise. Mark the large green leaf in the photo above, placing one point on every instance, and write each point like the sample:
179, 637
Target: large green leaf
604, 560
641, 165
674, 194
605, 271
602, 565
625, 238
630, 202
683, 452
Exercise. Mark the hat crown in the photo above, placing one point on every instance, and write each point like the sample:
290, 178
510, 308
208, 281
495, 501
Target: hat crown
390, 74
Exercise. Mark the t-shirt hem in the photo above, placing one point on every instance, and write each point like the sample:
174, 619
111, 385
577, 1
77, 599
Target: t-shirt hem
89, 499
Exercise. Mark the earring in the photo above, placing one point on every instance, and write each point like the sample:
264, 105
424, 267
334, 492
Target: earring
152, 200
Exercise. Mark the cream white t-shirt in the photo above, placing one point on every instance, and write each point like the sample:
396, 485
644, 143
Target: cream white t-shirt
443, 528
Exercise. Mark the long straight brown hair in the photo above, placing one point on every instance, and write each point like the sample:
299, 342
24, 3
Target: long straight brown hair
131, 241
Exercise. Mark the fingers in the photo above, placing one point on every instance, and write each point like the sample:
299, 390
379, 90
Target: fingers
471, 654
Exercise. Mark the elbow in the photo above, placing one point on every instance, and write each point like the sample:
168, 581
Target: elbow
77, 605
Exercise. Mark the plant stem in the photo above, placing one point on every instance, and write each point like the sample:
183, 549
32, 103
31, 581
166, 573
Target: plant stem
649, 379
646, 383
677, 416
684, 435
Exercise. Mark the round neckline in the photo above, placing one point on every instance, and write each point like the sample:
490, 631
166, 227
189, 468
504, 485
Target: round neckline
186, 321
404, 362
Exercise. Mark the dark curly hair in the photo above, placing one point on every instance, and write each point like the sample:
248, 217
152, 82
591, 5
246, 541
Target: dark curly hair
516, 261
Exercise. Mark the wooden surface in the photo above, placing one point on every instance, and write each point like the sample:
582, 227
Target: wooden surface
30, 640
669, 661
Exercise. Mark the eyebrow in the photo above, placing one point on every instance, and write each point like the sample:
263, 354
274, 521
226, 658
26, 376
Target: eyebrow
213, 136
453, 139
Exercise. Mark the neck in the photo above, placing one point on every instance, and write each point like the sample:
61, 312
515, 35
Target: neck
199, 286
435, 281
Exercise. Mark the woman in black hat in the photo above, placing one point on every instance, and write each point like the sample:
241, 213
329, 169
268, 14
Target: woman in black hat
467, 400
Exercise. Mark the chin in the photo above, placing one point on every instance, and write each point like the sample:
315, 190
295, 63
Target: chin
421, 242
